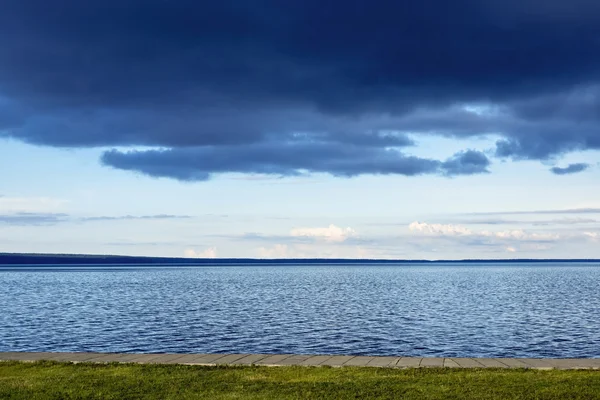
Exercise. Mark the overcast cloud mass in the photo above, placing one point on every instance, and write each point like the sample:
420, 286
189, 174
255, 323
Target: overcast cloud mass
261, 86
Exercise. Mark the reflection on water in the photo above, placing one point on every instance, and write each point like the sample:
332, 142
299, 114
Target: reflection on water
541, 310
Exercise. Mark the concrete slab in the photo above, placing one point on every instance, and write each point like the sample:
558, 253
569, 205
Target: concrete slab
432, 362
574, 363
358, 361
295, 359
251, 359
274, 359
18, 356
409, 362
513, 363
183, 359
315, 360
121, 358
230, 359
299, 359
450, 363
203, 359
593, 363
337, 361
73, 357
536, 363
467, 363
491, 363
164, 358
383, 362
132, 358
90, 357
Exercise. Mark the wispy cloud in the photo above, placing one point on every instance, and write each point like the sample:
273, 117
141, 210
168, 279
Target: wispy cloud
461, 231
566, 221
540, 212
134, 217
541, 222
128, 243
27, 218
41, 218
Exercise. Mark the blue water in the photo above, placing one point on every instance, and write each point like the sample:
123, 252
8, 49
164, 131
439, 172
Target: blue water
500, 310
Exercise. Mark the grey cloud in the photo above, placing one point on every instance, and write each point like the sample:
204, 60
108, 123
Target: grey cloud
133, 217
26, 218
567, 221
485, 221
541, 212
135, 244
469, 162
289, 159
502, 221
570, 169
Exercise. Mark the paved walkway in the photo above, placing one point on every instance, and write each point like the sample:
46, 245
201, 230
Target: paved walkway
308, 360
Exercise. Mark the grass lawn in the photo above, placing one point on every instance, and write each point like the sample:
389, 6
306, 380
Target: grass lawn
52, 380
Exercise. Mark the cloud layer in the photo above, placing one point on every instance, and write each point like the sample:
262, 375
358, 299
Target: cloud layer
273, 88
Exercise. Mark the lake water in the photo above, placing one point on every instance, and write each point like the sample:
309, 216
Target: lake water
491, 310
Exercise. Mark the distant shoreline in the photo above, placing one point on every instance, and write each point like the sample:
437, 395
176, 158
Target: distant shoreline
83, 259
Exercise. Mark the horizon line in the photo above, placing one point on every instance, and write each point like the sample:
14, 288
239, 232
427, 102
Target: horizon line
186, 260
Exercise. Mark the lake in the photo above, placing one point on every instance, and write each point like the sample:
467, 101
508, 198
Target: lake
454, 310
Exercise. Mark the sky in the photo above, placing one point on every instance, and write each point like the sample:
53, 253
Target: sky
305, 128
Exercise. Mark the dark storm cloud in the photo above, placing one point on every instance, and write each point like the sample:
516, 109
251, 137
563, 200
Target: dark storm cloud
570, 169
233, 80
197, 164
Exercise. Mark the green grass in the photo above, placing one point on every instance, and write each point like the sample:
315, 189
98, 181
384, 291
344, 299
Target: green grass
51, 380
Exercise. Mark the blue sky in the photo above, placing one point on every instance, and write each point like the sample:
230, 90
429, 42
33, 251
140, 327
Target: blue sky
261, 130
64, 201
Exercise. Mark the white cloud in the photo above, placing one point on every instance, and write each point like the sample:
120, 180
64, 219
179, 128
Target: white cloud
459, 230
277, 251
330, 234
511, 249
593, 236
439, 229
520, 234
211, 252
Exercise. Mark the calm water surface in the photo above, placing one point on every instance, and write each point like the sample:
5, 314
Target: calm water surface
514, 310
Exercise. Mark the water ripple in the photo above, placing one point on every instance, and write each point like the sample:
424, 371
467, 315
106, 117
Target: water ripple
445, 311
